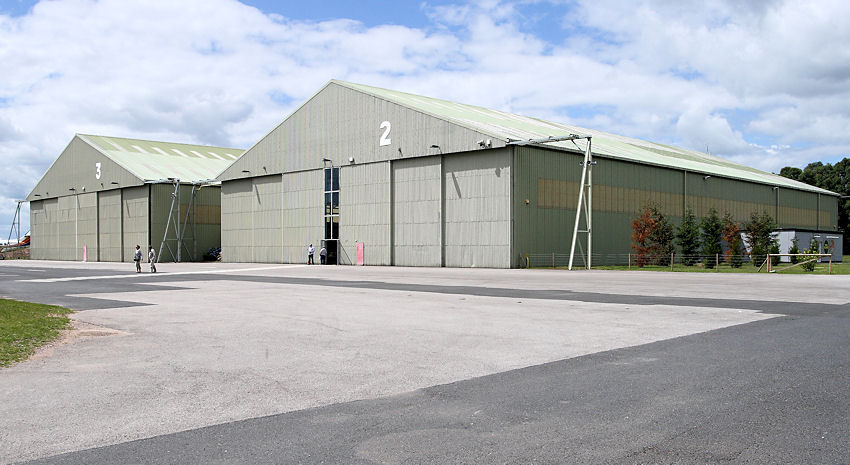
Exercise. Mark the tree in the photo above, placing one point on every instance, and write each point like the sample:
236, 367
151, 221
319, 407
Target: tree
794, 249
760, 236
652, 237
688, 237
791, 173
712, 234
732, 236
835, 178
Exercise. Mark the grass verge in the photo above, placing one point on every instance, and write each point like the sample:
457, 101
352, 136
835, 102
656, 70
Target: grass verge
820, 268
25, 327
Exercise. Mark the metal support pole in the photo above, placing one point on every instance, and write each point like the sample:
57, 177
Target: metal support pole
585, 177
172, 220
16, 224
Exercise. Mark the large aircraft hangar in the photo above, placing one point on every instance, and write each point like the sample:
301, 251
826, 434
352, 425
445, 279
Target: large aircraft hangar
383, 177
105, 195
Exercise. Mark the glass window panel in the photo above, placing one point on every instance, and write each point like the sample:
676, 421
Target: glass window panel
328, 224
335, 179
327, 179
335, 228
336, 199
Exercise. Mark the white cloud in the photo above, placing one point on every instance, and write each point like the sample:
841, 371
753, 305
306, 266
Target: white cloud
764, 83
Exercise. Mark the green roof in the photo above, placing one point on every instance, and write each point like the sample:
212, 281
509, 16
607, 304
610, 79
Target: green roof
151, 161
511, 127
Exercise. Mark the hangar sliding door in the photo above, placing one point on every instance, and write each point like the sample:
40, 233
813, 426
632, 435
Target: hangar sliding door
109, 225
416, 212
477, 209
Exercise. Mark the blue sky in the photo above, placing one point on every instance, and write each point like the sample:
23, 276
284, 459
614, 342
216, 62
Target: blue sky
762, 83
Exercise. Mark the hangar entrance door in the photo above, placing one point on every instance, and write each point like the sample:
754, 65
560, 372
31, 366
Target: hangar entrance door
331, 214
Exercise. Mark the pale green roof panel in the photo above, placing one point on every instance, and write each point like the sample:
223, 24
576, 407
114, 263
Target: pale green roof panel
151, 160
507, 126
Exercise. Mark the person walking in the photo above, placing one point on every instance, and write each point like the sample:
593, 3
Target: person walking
152, 258
310, 251
323, 256
137, 257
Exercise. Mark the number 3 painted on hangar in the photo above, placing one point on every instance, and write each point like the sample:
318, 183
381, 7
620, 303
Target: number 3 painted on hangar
385, 139
97, 170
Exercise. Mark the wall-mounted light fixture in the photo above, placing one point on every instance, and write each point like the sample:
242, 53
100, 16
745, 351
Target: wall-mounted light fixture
72, 188
246, 171
36, 195
351, 159
706, 177
435, 146
114, 182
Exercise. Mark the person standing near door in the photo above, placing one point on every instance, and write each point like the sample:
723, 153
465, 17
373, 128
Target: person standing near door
152, 258
310, 251
137, 257
323, 255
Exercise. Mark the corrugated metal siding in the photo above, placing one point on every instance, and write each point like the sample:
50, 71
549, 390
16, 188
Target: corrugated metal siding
739, 198
543, 221
303, 202
339, 115
61, 227
266, 200
550, 181
135, 218
798, 209
237, 221
207, 220
828, 213
417, 212
364, 213
477, 209
199, 235
39, 228
76, 167
87, 226
160, 206
109, 228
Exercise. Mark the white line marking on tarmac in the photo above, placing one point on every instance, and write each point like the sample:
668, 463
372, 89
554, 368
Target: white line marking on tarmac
137, 275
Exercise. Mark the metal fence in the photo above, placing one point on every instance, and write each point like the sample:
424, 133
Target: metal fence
648, 261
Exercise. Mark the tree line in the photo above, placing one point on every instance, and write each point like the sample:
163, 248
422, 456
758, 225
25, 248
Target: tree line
835, 178
707, 241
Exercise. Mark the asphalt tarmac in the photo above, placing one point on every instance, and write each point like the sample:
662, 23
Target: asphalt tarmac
465, 366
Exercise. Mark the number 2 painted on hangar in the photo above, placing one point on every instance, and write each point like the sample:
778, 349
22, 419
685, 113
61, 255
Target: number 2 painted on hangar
385, 137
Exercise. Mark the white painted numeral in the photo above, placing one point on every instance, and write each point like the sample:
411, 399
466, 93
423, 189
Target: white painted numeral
97, 170
385, 139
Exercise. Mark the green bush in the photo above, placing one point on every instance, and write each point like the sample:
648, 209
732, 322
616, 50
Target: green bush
774, 249
794, 249
813, 248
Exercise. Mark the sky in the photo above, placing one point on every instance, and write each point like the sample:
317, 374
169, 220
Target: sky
765, 83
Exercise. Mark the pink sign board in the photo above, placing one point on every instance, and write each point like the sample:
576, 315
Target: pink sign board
360, 253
